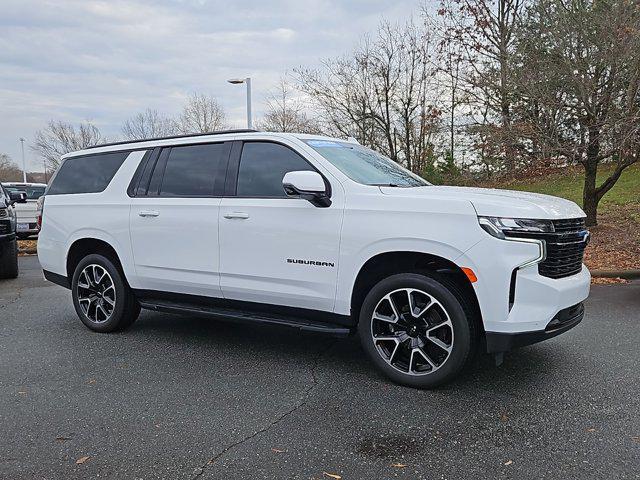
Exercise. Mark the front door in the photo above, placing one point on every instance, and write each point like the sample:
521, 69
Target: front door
275, 249
174, 221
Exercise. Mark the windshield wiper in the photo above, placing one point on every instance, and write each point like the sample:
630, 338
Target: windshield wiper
385, 185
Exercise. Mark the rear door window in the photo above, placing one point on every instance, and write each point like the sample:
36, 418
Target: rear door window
192, 170
87, 174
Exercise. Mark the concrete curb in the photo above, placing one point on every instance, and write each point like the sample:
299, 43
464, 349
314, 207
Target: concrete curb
626, 274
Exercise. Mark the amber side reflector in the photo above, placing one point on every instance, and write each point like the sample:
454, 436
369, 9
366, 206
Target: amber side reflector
470, 275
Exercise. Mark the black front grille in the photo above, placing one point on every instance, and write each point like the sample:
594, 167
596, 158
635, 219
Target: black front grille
565, 248
5, 227
568, 225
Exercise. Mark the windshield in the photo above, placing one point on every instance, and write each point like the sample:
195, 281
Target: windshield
365, 166
33, 193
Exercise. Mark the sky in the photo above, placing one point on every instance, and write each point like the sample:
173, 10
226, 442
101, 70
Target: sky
104, 61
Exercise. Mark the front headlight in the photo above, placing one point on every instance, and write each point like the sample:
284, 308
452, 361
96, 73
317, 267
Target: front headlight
500, 227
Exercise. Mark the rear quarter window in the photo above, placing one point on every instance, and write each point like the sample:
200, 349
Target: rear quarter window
87, 174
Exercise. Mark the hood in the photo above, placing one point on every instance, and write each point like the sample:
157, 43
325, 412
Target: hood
497, 203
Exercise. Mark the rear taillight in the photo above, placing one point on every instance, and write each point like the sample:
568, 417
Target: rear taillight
40, 207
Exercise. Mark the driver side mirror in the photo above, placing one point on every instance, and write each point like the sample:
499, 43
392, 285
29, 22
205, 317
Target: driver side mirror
18, 197
307, 185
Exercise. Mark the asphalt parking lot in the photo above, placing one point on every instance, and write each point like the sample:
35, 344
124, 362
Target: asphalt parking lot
183, 398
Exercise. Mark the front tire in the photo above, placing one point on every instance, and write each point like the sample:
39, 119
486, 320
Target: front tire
418, 330
102, 298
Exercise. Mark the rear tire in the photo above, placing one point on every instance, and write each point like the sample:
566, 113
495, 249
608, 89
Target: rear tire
101, 296
418, 330
9, 260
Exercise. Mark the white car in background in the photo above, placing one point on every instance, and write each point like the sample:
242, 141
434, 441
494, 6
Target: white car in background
27, 211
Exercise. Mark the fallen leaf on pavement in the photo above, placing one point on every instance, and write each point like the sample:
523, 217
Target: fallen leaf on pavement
504, 418
591, 429
607, 281
398, 465
22, 392
92, 380
276, 450
508, 462
81, 460
332, 475
63, 439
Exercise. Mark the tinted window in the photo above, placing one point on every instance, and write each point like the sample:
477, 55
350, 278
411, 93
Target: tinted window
88, 174
262, 167
191, 170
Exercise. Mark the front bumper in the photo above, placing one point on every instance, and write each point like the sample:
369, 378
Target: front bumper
514, 298
564, 320
7, 238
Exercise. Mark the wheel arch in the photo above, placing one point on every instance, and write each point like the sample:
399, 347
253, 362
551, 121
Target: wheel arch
385, 264
82, 247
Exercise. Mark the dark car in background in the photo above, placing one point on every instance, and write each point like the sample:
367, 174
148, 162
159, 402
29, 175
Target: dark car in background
8, 241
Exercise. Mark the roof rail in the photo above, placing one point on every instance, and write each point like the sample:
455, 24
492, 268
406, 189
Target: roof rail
188, 135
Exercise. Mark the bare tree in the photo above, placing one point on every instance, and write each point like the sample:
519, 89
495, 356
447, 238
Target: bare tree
483, 33
580, 76
202, 114
339, 91
451, 64
286, 113
149, 124
9, 170
381, 94
452, 69
59, 138
37, 177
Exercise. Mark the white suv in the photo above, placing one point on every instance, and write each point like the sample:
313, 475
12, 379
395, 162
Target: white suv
316, 233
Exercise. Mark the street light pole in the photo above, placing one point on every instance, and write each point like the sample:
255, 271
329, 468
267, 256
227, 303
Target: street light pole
249, 116
24, 166
246, 81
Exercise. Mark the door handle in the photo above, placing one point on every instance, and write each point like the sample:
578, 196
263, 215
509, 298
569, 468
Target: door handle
240, 215
148, 213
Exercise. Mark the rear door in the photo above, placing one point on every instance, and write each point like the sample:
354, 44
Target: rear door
174, 219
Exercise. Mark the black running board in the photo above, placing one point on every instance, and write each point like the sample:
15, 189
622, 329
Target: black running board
249, 317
